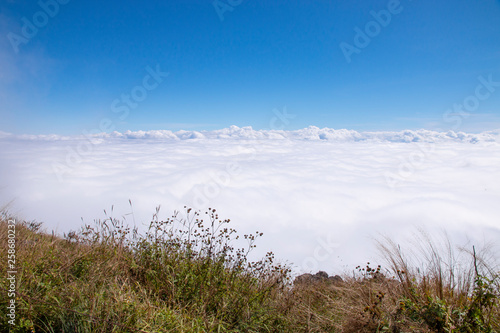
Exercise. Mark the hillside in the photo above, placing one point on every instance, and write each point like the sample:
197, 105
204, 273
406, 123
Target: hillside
185, 275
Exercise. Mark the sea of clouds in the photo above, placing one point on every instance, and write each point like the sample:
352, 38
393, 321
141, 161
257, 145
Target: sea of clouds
320, 196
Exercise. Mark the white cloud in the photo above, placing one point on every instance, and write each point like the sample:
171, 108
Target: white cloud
310, 133
301, 188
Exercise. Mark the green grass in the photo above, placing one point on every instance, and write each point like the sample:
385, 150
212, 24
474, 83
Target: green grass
186, 275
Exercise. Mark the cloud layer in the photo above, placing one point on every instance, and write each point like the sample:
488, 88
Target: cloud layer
319, 195
309, 133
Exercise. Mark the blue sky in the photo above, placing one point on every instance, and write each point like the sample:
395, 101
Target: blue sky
263, 55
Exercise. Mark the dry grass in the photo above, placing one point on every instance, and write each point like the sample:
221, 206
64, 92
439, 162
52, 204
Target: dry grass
184, 275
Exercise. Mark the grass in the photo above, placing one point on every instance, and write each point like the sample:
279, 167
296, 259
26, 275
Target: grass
186, 275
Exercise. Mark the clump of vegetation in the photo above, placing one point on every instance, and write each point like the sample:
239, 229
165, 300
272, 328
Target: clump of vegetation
182, 275
450, 290
185, 274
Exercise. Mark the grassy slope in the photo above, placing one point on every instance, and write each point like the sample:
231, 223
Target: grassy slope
184, 275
